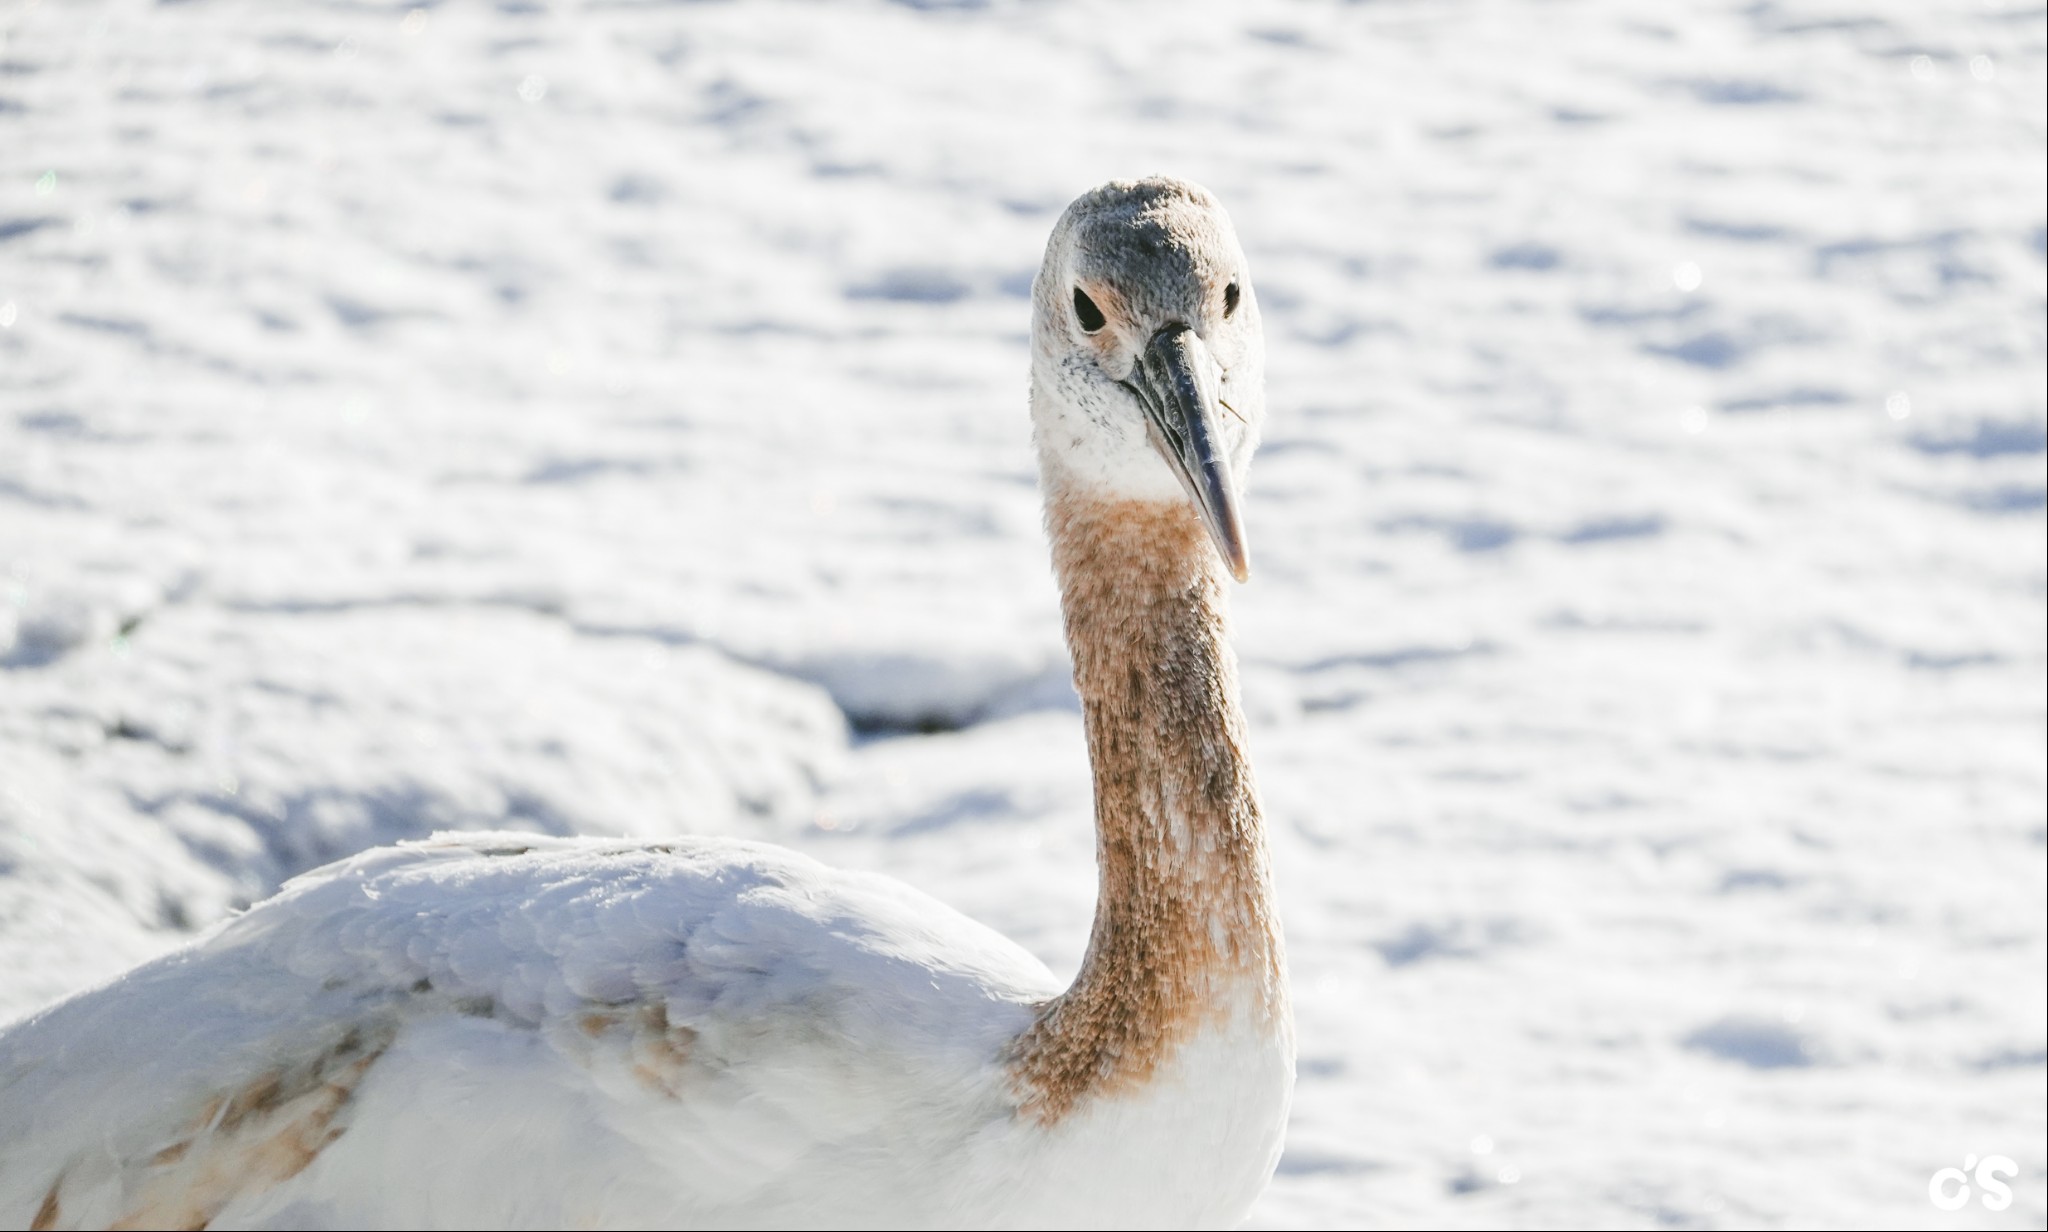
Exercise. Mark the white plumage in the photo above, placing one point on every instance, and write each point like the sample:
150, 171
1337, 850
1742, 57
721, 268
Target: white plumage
500, 1030
689, 1034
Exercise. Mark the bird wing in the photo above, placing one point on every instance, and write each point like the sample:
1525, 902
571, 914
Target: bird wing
508, 1029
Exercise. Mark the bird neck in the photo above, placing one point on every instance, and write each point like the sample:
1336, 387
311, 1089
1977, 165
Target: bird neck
1185, 933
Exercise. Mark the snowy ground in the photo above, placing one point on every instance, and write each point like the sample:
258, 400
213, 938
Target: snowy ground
609, 418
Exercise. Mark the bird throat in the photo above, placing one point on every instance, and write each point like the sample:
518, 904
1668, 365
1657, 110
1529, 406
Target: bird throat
1185, 934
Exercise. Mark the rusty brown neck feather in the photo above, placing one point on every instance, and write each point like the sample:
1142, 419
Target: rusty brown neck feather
1185, 933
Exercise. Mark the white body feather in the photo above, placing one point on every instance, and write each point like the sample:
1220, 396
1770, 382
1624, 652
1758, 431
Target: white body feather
828, 1050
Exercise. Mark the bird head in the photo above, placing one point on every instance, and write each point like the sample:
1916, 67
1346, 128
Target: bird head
1148, 364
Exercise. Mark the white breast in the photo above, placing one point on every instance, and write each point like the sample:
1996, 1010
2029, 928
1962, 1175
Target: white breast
1192, 1149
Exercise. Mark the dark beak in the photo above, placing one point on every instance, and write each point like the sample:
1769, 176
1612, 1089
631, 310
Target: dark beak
1175, 381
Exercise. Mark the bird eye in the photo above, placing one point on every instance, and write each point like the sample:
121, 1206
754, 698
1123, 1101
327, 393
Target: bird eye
1090, 316
1230, 299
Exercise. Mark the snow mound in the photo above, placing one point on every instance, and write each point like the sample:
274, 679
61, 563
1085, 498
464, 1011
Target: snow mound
209, 755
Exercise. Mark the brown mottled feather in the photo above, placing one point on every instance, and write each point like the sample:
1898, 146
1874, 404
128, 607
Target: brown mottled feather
50, 1211
655, 1052
1184, 925
246, 1140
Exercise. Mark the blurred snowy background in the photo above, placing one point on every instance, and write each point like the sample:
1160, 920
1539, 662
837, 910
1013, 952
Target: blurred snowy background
609, 417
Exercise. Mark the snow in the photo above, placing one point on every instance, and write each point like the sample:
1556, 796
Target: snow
609, 419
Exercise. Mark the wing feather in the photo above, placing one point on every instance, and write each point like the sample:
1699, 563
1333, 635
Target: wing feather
729, 1011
